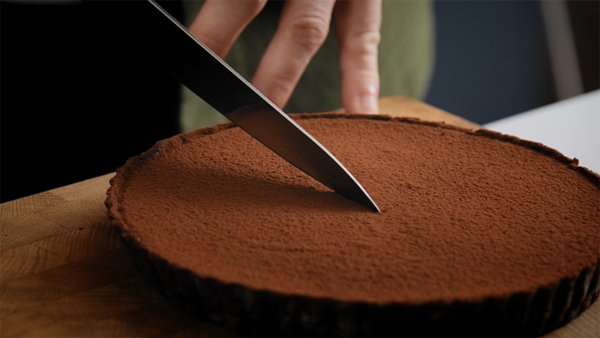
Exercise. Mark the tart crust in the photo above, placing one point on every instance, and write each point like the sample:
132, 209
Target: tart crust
252, 311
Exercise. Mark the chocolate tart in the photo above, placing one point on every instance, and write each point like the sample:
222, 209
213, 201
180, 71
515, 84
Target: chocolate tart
480, 233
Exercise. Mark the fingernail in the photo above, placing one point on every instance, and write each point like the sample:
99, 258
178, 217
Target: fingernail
368, 104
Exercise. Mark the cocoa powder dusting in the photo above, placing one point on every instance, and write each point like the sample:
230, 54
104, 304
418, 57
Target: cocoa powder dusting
464, 215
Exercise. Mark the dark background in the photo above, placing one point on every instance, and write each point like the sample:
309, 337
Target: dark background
77, 100
491, 59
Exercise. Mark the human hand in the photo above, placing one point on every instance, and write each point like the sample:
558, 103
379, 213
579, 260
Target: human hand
303, 27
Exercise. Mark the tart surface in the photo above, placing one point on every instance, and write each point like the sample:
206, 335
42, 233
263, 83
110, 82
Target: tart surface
465, 215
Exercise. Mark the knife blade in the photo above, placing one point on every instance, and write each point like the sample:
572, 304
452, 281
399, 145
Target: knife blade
208, 76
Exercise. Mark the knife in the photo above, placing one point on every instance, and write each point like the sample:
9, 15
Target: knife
213, 80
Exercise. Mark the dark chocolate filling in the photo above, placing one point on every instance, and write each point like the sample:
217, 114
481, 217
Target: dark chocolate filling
466, 216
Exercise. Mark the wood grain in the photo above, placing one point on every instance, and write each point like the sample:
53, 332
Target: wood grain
64, 271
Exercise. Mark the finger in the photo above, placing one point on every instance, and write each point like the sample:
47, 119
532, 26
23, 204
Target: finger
303, 27
358, 25
219, 23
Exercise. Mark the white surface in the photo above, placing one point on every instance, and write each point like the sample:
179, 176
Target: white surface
571, 126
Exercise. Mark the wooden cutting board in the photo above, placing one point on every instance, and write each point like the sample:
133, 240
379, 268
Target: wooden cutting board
64, 271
